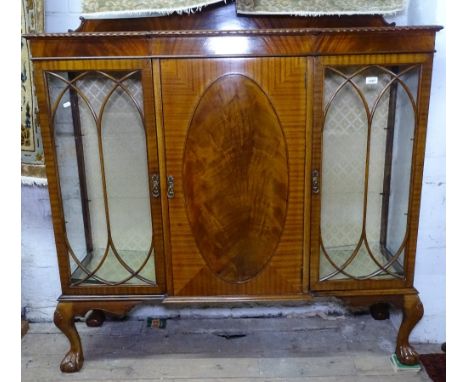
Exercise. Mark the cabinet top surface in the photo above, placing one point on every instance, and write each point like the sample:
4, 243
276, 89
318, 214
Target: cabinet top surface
219, 32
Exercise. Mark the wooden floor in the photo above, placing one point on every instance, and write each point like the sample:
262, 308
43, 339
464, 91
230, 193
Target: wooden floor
351, 349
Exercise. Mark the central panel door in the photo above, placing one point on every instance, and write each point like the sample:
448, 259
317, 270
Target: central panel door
235, 154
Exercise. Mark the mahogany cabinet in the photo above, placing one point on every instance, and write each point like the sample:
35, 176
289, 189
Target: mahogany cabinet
211, 158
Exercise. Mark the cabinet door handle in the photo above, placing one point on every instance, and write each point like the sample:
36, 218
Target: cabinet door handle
170, 187
156, 186
316, 181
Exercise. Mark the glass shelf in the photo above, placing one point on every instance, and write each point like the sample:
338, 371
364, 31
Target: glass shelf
113, 271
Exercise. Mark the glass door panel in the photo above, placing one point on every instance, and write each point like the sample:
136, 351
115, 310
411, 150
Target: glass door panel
368, 134
100, 140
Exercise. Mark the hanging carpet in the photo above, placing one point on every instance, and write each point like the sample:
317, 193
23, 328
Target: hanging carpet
142, 8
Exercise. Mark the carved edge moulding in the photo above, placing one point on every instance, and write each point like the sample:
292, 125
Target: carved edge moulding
229, 123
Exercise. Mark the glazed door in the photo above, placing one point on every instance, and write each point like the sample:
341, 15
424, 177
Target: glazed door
102, 166
370, 125
234, 141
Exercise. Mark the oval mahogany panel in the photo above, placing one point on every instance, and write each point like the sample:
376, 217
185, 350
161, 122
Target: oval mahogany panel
235, 175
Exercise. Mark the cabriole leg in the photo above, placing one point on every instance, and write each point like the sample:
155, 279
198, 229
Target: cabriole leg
64, 320
413, 311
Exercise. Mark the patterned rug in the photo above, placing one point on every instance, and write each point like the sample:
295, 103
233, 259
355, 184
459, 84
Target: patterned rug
435, 366
141, 8
32, 20
320, 7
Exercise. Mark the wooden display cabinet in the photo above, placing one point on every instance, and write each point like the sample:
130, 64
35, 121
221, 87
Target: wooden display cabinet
212, 158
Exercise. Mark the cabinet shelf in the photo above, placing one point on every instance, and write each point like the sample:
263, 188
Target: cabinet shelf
112, 270
362, 266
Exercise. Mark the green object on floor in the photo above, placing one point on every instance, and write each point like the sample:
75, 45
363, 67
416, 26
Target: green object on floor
398, 366
158, 323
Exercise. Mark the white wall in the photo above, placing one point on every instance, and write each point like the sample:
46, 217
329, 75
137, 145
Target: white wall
40, 284
430, 258
62, 15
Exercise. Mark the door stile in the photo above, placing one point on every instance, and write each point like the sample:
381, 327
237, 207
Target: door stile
316, 69
424, 91
53, 183
309, 82
158, 109
153, 170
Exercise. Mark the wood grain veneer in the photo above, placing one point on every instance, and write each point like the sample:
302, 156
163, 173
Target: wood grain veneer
235, 178
233, 112
183, 84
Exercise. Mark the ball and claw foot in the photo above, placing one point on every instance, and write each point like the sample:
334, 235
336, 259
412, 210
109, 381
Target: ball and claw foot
72, 362
64, 320
407, 355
